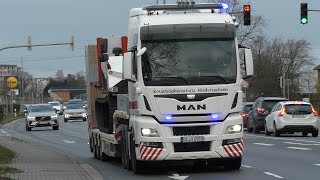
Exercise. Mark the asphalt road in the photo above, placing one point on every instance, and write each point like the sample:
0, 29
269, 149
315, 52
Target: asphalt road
286, 157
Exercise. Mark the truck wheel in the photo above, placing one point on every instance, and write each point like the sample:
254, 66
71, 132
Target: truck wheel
234, 164
124, 150
315, 133
136, 165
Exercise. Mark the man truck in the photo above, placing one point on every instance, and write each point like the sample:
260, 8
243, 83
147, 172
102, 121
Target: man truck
171, 90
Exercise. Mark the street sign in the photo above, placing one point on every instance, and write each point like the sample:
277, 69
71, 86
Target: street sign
12, 82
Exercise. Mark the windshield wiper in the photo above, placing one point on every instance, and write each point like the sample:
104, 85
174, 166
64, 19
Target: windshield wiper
174, 77
218, 79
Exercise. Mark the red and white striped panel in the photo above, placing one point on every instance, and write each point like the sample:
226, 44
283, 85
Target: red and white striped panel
118, 131
149, 153
235, 150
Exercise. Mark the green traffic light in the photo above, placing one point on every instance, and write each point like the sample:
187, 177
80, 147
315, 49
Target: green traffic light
304, 20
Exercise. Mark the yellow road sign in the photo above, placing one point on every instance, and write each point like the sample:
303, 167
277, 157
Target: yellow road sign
12, 82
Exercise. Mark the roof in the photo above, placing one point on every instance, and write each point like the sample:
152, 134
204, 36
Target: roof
273, 98
317, 67
294, 102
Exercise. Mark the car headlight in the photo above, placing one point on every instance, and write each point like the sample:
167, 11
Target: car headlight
150, 132
84, 115
66, 115
237, 128
31, 118
54, 117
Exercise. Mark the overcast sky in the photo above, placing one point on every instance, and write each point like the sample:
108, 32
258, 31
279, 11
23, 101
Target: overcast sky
54, 21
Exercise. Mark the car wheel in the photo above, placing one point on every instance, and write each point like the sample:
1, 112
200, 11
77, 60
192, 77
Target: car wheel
256, 130
249, 130
304, 134
84, 119
266, 132
28, 128
55, 127
233, 165
65, 120
275, 131
315, 133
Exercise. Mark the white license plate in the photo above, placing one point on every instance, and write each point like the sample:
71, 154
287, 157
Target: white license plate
192, 139
299, 116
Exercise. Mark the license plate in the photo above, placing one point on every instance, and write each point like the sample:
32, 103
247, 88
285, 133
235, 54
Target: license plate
299, 116
192, 139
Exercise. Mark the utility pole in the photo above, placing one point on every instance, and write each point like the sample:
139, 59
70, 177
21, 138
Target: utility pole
22, 83
284, 84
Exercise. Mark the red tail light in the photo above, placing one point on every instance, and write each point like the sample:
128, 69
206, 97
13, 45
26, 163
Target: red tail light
244, 114
281, 113
260, 110
314, 111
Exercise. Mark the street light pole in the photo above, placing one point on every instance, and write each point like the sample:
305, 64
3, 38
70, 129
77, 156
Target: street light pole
22, 83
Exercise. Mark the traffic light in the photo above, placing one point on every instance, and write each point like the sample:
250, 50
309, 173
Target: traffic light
29, 42
72, 43
246, 15
304, 13
280, 81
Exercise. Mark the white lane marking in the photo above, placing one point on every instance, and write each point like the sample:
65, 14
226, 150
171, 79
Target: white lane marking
299, 148
69, 142
302, 144
8, 134
274, 175
246, 166
264, 144
3, 131
287, 139
177, 176
317, 165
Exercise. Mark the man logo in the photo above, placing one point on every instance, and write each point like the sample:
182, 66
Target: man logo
191, 96
191, 107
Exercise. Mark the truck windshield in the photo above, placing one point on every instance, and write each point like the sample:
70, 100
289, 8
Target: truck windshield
189, 62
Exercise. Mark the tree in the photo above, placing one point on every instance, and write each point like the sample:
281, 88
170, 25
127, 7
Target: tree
60, 75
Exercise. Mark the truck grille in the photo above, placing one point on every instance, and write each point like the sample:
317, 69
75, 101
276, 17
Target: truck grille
192, 147
43, 118
185, 131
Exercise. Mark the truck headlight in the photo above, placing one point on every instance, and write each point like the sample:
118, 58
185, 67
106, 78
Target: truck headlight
84, 115
237, 128
150, 132
31, 118
66, 115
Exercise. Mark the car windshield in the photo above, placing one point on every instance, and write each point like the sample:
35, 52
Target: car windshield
54, 104
74, 106
298, 109
41, 108
75, 102
189, 62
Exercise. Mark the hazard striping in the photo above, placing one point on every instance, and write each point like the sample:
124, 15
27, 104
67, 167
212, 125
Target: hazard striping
263, 144
274, 175
299, 148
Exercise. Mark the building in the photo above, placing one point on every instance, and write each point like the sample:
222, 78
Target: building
6, 71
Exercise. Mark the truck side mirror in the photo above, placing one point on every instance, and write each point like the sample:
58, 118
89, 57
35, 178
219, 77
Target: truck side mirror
141, 51
248, 63
128, 67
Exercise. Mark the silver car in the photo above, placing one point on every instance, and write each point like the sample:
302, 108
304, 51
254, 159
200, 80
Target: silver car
56, 106
74, 111
40, 115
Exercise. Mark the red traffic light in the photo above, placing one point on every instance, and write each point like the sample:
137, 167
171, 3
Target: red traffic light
246, 8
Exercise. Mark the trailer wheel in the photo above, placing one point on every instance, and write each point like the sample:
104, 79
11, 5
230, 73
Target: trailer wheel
125, 150
137, 166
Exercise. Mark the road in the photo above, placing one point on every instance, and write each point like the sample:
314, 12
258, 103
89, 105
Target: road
286, 157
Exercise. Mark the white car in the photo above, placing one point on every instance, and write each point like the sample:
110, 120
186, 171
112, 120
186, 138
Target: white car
292, 116
40, 115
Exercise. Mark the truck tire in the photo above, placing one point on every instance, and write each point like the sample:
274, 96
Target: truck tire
234, 164
137, 166
125, 149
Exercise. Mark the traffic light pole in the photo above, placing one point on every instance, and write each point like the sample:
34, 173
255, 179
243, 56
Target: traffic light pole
36, 45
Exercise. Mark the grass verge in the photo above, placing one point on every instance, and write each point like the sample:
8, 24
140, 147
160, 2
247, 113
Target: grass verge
6, 157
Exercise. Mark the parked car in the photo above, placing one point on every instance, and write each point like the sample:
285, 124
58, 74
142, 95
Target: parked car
74, 111
40, 115
56, 106
260, 109
244, 113
291, 117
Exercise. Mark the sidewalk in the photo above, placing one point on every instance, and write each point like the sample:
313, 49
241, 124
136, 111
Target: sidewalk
43, 164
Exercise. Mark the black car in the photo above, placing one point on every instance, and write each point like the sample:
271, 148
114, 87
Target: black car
260, 110
244, 113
